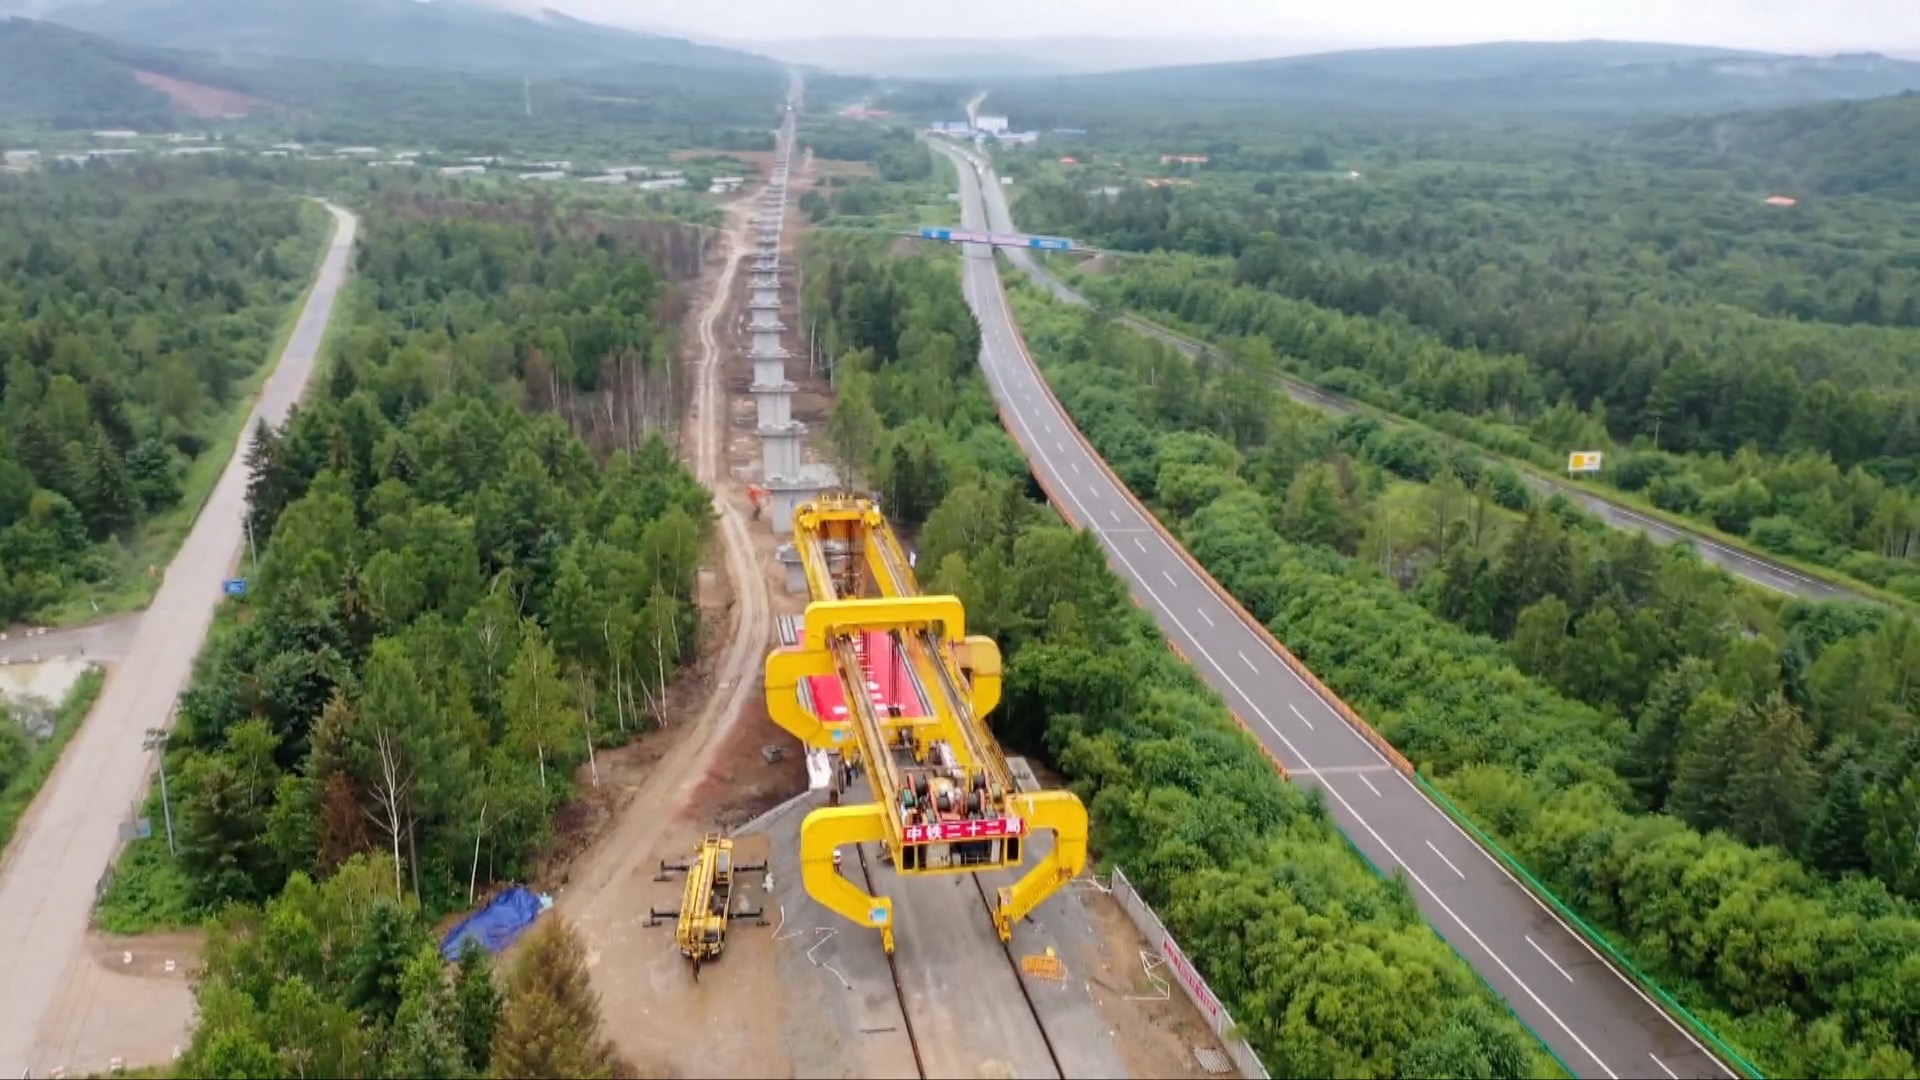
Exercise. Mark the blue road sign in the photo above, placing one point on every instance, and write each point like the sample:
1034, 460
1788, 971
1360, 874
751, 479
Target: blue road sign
936, 234
1050, 243
234, 586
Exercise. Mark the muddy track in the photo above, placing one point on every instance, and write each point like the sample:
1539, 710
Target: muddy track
736, 673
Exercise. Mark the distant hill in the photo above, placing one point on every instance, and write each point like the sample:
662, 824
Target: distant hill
60, 78
447, 34
1833, 149
941, 58
50, 75
1588, 77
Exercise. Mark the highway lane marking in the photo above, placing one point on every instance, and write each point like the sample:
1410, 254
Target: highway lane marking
1595, 953
1663, 1066
1060, 446
1449, 862
1304, 720
1202, 611
1251, 666
1114, 513
1555, 963
1370, 787
1076, 467
1302, 758
1141, 544
996, 377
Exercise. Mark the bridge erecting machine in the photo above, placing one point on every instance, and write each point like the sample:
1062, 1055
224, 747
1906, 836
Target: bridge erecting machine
945, 799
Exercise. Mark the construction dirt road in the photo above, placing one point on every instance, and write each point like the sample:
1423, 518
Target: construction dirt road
653, 1021
60, 1007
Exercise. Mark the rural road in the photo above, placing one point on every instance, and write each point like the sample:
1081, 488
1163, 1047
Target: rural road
72, 831
1742, 564
1599, 1023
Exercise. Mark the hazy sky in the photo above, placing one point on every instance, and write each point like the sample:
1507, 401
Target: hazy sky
1787, 25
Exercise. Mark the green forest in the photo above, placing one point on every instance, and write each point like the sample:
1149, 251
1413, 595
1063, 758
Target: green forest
56, 81
138, 309
457, 600
1328, 967
1726, 786
1748, 364
343, 978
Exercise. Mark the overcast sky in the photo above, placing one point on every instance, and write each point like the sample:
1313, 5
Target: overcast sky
1786, 25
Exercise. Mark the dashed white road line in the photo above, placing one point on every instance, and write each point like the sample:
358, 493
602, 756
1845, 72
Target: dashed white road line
1369, 783
1204, 615
1551, 960
1141, 544
1663, 1067
1251, 666
1309, 723
1444, 859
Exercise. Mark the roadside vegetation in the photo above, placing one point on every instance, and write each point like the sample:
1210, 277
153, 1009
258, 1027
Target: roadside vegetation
344, 978
138, 311
903, 190
31, 739
464, 589
1328, 968
1623, 289
1725, 786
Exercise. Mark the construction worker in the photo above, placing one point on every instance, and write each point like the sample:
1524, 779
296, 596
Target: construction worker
836, 860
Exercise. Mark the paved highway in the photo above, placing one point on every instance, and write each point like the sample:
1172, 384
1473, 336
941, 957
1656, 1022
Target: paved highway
1742, 564
72, 831
1598, 1022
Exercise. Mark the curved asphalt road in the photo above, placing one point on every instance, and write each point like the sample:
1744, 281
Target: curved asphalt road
1741, 564
1598, 1022
72, 831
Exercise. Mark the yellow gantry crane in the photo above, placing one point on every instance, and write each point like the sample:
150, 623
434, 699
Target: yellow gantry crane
944, 798
706, 905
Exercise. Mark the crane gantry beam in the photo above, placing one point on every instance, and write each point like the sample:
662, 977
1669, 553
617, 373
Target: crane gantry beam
945, 800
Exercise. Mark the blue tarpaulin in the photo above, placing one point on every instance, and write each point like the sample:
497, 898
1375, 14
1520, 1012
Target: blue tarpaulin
497, 925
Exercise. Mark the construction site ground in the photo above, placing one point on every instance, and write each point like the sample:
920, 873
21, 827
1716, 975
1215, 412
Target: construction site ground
767, 1009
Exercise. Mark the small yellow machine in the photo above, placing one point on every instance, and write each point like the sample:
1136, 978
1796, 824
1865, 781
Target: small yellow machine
706, 905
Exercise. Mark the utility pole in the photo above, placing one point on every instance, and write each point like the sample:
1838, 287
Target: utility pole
526, 92
253, 554
157, 740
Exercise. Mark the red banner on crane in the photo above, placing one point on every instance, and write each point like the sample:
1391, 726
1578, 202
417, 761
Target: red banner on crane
950, 831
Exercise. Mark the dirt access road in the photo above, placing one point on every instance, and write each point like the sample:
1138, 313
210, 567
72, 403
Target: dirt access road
636, 970
59, 1008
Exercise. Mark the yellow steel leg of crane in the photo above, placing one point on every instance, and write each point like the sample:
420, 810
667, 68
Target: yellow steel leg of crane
980, 658
785, 669
830, 827
1061, 813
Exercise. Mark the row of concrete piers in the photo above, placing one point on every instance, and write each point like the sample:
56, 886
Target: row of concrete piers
788, 478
